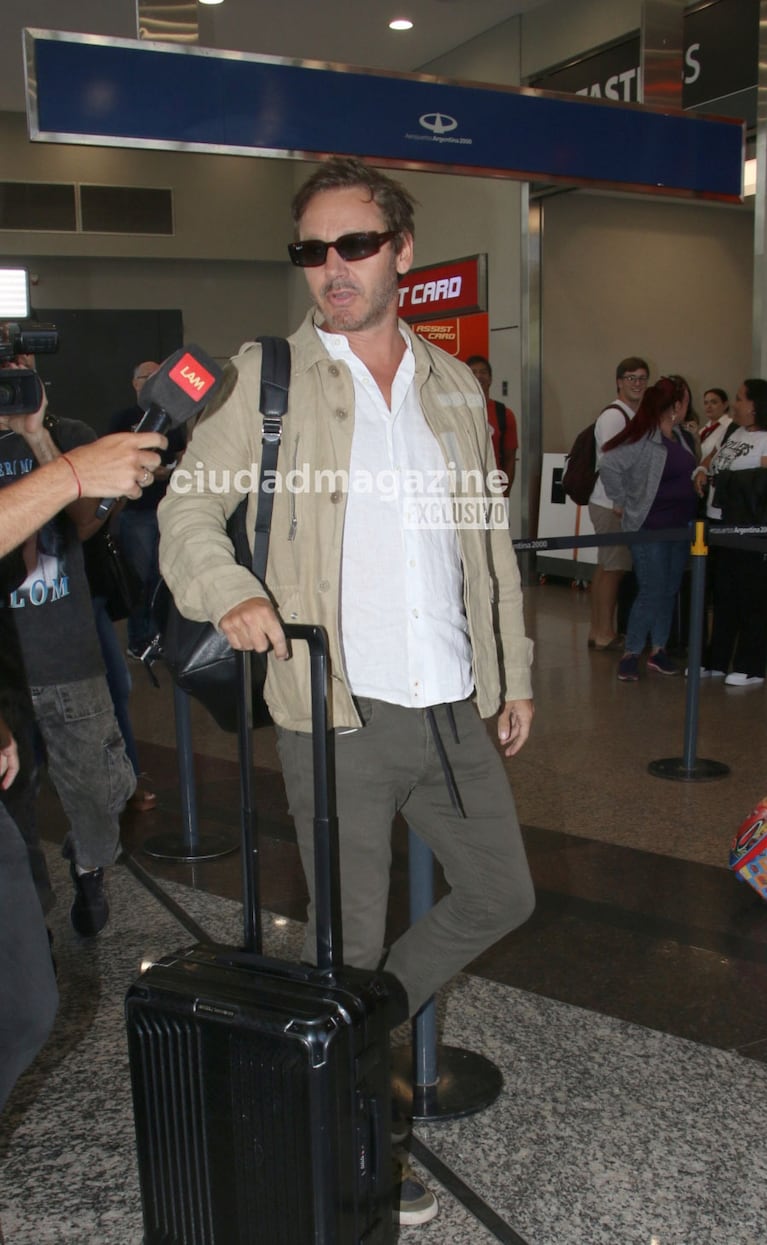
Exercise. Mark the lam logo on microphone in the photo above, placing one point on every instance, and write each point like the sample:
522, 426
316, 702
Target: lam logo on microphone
192, 377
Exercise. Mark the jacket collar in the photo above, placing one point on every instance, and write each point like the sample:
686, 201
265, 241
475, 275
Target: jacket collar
309, 350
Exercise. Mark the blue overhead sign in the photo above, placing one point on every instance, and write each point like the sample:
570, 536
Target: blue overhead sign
86, 89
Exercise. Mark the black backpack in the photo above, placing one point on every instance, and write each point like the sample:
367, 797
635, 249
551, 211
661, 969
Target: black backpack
580, 474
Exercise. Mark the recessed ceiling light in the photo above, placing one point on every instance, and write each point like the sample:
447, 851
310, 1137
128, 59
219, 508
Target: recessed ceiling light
211, 1
401, 23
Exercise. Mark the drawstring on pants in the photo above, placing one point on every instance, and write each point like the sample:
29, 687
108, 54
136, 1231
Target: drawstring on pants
455, 795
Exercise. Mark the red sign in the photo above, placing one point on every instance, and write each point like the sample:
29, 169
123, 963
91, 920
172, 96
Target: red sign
461, 336
451, 289
191, 376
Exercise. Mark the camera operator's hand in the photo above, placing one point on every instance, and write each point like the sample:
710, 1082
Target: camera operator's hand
9, 756
119, 465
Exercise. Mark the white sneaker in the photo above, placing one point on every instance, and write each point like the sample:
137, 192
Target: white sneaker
705, 673
736, 679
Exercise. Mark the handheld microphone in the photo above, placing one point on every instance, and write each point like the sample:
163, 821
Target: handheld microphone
176, 392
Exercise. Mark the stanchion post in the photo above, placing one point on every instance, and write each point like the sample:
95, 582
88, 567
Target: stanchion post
688, 768
431, 1081
188, 845
187, 788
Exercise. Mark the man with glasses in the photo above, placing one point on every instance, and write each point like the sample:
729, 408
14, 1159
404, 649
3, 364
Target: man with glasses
631, 377
417, 608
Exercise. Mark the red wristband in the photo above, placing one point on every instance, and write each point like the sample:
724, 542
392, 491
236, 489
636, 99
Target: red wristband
71, 466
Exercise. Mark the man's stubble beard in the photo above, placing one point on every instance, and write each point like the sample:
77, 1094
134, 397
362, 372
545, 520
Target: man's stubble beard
348, 320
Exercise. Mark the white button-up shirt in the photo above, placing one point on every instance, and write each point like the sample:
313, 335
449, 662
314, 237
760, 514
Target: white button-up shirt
403, 628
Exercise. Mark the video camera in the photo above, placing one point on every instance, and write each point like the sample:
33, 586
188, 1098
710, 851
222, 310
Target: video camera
21, 390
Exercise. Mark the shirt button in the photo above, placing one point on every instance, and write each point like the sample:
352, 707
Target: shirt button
412, 563
323, 585
341, 414
335, 497
333, 370
415, 613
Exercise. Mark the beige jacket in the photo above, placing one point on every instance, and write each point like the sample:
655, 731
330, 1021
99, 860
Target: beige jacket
304, 567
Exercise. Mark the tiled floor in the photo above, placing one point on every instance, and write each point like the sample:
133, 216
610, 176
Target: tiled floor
629, 1016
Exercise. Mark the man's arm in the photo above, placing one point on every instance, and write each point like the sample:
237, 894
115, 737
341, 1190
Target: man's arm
516, 716
197, 558
613, 478
110, 467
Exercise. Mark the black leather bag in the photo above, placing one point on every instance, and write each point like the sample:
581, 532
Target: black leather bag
110, 575
198, 656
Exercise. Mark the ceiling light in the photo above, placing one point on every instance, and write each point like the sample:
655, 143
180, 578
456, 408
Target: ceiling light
401, 23
211, 1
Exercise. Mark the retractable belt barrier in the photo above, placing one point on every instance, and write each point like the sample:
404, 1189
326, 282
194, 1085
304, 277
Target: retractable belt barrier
688, 767
735, 537
738, 537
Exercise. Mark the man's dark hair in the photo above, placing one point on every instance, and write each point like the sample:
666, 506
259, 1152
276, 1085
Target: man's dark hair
630, 365
756, 392
480, 358
341, 173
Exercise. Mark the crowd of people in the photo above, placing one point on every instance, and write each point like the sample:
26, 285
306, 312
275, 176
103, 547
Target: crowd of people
657, 463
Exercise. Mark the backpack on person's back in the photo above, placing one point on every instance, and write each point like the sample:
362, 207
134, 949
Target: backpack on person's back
581, 472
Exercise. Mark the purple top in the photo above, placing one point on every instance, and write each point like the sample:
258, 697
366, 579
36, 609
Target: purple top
675, 502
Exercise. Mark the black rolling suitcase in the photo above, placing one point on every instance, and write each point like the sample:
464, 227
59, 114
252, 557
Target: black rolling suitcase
261, 1088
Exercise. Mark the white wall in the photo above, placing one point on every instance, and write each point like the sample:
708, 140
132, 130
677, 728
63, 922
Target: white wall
226, 207
561, 29
222, 303
670, 282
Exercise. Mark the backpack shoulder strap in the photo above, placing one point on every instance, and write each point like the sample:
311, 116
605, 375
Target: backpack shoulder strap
275, 376
273, 404
614, 407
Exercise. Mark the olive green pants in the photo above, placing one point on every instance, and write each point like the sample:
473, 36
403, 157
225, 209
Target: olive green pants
392, 765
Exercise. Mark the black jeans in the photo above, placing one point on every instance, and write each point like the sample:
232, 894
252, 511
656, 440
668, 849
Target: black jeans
739, 632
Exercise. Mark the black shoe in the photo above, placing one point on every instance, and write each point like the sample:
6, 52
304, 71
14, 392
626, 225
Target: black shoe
90, 911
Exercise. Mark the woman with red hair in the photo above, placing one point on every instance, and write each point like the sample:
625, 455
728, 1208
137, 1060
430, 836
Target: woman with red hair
647, 471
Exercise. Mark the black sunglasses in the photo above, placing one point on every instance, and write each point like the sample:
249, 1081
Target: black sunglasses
351, 247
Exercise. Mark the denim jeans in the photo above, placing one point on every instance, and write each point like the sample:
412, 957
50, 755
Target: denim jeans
28, 995
87, 764
659, 567
118, 676
139, 539
390, 765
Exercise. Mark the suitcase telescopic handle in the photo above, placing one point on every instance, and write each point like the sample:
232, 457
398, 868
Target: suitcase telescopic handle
327, 875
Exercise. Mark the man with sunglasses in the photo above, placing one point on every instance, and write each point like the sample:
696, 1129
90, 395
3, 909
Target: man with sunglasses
417, 608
